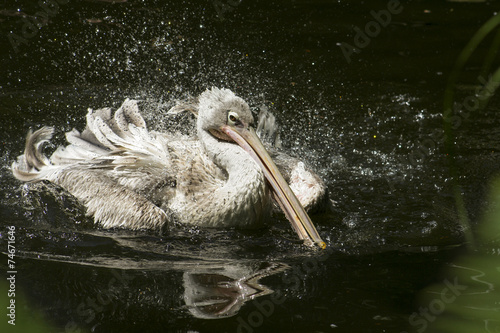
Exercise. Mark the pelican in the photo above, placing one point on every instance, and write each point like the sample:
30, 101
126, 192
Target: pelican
129, 177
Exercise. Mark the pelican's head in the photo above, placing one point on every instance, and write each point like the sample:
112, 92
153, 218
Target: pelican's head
227, 117
220, 107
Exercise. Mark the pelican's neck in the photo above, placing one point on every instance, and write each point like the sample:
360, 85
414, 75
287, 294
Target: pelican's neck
243, 200
229, 156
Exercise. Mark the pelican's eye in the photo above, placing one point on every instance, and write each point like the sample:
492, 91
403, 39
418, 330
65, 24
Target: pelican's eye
233, 118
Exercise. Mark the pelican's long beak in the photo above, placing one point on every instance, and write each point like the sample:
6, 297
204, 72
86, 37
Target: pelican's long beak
294, 211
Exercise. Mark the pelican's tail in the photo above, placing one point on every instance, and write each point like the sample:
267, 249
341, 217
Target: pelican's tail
33, 164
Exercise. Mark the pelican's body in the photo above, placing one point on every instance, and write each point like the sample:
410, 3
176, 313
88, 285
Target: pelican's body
130, 177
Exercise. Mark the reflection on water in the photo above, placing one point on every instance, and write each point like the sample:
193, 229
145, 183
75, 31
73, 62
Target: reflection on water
86, 297
220, 291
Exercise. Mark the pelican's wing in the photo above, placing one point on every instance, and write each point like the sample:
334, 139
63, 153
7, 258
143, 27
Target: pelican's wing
197, 172
115, 167
120, 146
190, 104
112, 205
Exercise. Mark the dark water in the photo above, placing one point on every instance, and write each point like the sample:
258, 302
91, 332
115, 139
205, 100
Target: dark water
370, 122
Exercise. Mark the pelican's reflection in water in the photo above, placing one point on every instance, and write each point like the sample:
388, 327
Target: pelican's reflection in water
108, 290
213, 292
